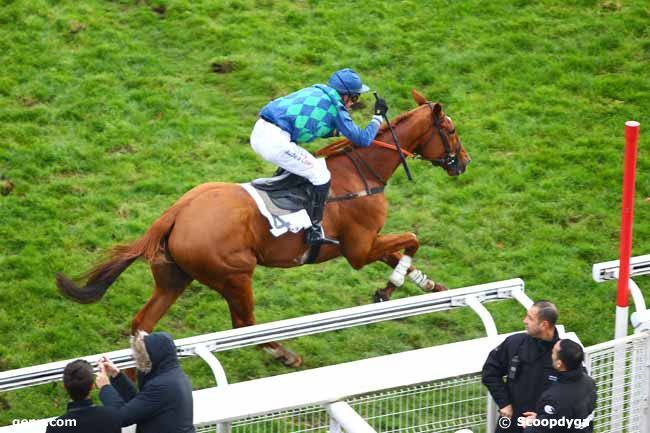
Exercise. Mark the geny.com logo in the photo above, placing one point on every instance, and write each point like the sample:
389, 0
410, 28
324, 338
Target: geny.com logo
52, 422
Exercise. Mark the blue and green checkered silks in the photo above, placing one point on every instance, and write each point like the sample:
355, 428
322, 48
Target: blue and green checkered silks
306, 114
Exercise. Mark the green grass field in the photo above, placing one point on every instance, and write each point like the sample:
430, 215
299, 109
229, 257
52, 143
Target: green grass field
111, 110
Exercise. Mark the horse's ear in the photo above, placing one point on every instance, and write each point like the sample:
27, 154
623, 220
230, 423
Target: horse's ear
421, 100
437, 109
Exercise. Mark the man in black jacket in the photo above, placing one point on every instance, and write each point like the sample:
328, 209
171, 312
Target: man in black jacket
82, 415
164, 403
567, 405
517, 371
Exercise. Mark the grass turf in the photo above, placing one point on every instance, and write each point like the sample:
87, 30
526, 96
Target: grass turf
109, 111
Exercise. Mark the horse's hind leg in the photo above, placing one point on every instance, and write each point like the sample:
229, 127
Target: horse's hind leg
238, 292
171, 281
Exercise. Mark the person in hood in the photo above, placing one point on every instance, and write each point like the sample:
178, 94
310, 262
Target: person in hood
164, 402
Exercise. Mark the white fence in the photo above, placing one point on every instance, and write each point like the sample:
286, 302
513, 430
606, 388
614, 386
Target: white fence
623, 387
639, 265
380, 384
442, 406
472, 297
436, 389
203, 345
436, 404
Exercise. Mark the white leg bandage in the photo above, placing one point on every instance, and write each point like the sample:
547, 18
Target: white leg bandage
422, 280
397, 277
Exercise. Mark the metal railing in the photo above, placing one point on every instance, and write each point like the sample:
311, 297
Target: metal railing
622, 377
203, 345
451, 399
639, 265
415, 391
621, 371
443, 406
450, 404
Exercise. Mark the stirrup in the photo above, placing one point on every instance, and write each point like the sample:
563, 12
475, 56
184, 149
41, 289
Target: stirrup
315, 235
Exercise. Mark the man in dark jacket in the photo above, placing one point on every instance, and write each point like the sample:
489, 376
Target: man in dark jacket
517, 371
82, 415
567, 405
164, 403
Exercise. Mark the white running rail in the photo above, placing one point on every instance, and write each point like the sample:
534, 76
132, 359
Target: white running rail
203, 345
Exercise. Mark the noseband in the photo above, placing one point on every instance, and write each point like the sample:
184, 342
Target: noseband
450, 160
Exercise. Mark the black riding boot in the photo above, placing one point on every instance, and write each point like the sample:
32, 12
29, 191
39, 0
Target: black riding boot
315, 234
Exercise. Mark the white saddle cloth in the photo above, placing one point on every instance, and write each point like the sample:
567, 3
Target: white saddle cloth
280, 220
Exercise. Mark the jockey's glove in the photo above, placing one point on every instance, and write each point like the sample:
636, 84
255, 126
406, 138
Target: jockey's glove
380, 107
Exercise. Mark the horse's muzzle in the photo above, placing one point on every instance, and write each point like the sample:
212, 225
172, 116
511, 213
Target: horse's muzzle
462, 166
456, 169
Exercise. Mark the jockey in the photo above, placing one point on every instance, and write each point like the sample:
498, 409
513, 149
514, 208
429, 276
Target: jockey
314, 112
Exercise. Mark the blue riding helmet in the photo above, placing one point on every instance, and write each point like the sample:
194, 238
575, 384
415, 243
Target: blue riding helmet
347, 82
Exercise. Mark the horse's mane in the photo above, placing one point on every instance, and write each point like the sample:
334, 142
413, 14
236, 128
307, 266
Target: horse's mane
340, 146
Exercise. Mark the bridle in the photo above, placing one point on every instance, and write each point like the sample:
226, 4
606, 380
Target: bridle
451, 159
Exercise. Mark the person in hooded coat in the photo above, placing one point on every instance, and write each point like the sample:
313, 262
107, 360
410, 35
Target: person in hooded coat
164, 403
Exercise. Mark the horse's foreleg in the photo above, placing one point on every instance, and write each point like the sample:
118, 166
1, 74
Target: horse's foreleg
387, 248
238, 292
384, 247
415, 275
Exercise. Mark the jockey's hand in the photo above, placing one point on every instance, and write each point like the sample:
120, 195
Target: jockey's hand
380, 107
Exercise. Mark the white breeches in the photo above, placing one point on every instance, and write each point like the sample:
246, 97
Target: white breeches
275, 145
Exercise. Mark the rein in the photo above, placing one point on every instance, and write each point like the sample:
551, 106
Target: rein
355, 162
392, 147
450, 158
367, 190
397, 145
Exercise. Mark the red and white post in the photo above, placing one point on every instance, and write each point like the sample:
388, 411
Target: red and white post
627, 220
623, 292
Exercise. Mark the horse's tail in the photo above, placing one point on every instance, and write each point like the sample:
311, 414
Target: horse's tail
99, 278
120, 257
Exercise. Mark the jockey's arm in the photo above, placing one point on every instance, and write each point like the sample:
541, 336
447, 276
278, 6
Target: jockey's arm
360, 137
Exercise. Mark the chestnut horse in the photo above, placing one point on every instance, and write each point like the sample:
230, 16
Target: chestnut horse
215, 234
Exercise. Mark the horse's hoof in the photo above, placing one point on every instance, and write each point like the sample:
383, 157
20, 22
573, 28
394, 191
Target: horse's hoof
290, 359
379, 296
439, 288
285, 356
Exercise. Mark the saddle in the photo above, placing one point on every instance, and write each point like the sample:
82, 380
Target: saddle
286, 190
